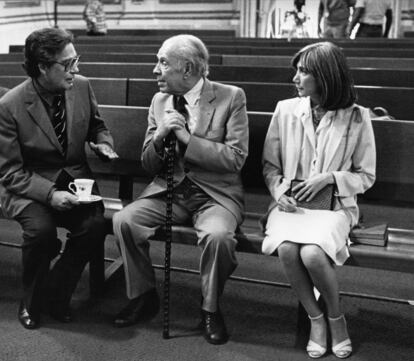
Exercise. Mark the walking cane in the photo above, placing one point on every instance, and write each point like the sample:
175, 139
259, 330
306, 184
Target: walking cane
171, 141
179, 105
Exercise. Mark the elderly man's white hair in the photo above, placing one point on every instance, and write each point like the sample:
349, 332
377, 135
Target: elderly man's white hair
189, 49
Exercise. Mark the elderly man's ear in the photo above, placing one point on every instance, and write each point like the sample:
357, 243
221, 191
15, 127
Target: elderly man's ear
188, 70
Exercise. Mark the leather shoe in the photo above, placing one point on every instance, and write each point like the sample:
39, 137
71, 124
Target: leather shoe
27, 320
214, 328
142, 308
63, 315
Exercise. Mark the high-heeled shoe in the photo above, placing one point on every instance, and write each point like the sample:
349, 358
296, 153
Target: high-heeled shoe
314, 349
342, 349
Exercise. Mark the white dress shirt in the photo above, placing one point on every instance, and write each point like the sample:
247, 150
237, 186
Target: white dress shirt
193, 98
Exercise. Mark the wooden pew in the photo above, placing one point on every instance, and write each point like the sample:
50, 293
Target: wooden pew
254, 42
354, 62
128, 125
362, 76
231, 60
393, 138
90, 56
260, 96
11, 81
112, 91
264, 96
398, 255
245, 50
237, 50
220, 33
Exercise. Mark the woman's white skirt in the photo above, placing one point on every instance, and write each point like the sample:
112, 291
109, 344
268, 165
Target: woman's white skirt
327, 229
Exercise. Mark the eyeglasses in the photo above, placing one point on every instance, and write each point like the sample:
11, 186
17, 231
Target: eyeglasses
68, 64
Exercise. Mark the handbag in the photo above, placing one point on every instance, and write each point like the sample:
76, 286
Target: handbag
324, 199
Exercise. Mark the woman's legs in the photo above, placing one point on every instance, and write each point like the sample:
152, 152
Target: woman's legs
298, 276
323, 275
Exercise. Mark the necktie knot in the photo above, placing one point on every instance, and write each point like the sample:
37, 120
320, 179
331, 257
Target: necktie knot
58, 101
179, 104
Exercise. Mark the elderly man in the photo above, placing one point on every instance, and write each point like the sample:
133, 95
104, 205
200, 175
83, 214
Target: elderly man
210, 123
44, 124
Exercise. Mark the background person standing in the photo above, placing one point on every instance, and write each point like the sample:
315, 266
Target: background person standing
95, 18
370, 16
335, 15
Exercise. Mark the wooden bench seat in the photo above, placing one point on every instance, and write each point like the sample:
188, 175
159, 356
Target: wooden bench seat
362, 76
128, 125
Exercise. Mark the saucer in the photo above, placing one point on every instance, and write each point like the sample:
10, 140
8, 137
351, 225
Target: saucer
90, 199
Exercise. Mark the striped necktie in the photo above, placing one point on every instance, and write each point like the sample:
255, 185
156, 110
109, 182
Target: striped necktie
59, 120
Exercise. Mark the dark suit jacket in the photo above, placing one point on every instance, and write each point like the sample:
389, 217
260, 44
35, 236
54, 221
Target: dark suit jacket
31, 157
217, 149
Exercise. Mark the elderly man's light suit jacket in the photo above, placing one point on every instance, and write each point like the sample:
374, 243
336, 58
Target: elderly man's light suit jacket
353, 168
217, 149
31, 157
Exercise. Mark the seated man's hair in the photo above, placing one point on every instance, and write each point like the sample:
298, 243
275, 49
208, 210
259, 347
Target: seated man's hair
42, 46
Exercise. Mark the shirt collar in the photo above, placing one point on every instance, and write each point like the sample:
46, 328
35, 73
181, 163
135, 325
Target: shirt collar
193, 95
45, 94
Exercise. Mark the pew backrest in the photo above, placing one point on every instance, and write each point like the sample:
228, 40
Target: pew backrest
362, 76
253, 42
261, 97
394, 143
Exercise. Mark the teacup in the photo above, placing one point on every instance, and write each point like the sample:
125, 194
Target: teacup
82, 188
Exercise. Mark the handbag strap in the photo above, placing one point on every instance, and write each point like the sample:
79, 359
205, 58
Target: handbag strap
355, 113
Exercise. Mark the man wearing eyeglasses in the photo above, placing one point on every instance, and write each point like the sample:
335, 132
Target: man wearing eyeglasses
44, 124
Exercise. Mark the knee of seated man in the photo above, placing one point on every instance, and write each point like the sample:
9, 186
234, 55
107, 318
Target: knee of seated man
220, 237
44, 236
95, 223
121, 219
40, 231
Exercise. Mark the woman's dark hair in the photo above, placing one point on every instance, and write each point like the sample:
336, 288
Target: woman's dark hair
327, 64
42, 46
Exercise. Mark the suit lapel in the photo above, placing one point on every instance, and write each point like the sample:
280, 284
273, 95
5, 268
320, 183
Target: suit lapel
207, 108
38, 113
